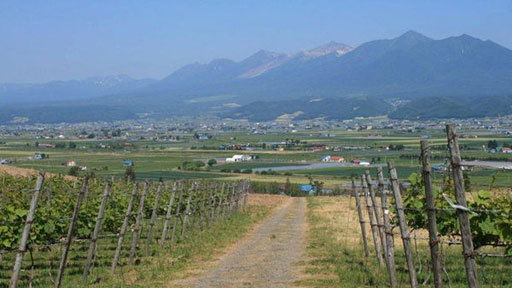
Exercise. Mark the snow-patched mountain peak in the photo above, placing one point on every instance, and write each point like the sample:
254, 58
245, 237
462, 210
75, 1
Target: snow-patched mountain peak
328, 48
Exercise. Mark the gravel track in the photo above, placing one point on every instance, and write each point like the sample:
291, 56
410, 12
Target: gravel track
266, 257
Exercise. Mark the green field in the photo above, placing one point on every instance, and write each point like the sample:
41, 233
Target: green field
154, 159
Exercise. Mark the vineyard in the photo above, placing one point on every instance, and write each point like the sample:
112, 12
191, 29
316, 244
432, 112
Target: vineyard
480, 224
59, 232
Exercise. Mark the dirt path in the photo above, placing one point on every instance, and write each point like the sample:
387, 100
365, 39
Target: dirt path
267, 257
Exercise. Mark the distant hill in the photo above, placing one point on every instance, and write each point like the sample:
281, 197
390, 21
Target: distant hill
328, 109
471, 76
11, 93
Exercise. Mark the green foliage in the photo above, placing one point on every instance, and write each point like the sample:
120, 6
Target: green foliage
487, 227
74, 171
192, 165
129, 174
212, 162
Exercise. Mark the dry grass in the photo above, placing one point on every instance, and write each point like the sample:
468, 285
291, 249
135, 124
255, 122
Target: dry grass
24, 172
266, 200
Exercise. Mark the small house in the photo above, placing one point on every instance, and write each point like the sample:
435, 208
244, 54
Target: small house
70, 163
355, 161
338, 159
128, 163
203, 138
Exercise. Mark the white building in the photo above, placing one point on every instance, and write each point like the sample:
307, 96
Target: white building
239, 158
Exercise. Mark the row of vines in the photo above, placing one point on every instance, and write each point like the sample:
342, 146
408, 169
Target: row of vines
152, 215
472, 231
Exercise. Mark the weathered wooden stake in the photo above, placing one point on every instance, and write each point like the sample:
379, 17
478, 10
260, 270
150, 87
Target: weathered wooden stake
406, 238
213, 205
94, 239
202, 209
387, 230
177, 213
209, 204
361, 218
376, 209
124, 227
238, 197
138, 220
187, 211
246, 192
220, 209
373, 226
168, 215
460, 196
194, 215
152, 220
431, 213
228, 200
71, 230
26, 231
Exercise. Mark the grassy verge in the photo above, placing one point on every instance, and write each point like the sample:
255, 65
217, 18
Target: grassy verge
336, 256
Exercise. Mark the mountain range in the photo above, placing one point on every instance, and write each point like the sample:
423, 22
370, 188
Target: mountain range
393, 77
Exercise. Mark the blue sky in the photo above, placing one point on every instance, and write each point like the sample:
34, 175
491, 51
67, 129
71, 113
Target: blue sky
62, 40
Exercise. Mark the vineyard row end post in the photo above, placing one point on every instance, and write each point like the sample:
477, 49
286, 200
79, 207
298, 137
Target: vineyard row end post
373, 226
460, 196
387, 229
378, 217
71, 230
26, 231
124, 227
361, 218
406, 239
94, 239
431, 214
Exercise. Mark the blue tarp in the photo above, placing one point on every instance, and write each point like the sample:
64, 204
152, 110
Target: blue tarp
306, 188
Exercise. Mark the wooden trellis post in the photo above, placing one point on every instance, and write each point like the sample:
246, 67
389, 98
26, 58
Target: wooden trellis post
431, 213
152, 220
376, 209
187, 211
387, 229
168, 215
207, 202
232, 199
213, 203
124, 227
94, 239
177, 213
460, 196
246, 192
220, 209
373, 226
194, 206
138, 220
26, 231
361, 218
202, 209
71, 230
406, 238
